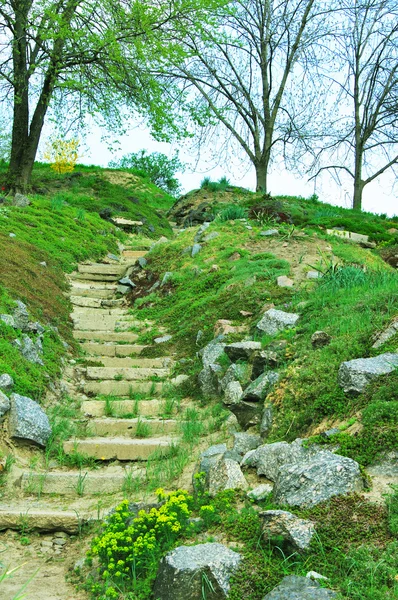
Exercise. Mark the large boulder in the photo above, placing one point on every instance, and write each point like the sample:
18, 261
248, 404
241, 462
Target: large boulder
209, 380
208, 458
236, 372
212, 352
225, 474
233, 394
275, 321
293, 587
28, 421
248, 414
196, 572
295, 532
355, 375
309, 482
4, 404
269, 458
260, 387
242, 350
244, 442
8, 320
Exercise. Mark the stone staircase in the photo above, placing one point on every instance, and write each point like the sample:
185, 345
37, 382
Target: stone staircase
124, 419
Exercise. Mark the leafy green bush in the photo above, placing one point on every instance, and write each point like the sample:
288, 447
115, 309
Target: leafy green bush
231, 212
157, 167
130, 546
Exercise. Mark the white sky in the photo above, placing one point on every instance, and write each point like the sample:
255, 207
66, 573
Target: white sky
379, 196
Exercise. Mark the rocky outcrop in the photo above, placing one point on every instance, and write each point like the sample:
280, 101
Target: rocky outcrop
244, 442
208, 458
355, 375
29, 349
295, 532
260, 492
209, 381
299, 588
232, 394
317, 479
275, 321
28, 421
196, 572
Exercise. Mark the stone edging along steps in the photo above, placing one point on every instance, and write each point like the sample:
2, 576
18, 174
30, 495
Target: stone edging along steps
60, 498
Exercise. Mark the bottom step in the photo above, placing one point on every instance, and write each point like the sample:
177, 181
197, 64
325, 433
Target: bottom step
119, 448
43, 519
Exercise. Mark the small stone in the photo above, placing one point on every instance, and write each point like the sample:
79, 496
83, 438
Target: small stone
319, 339
316, 576
274, 321
234, 256
163, 339
284, 281
43, 263
8, 320
211, 236
46, 544
79, 564
249, 227
260, 387
293, 587
196, 248
123, 289
166, 277
261, 492
12, 235
269, 232
314, 275
127, 281
20, 200
297, 533
142, 262
113, 257
59, 541
242, 350
225, 474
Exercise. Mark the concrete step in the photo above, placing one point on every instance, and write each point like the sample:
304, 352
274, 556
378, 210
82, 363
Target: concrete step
134, 253
110, 361
75, 276
75, 483
102, 269
97, 303
142, 408
105, 336
121, 388
119, 448
101, 323
126, 373
91, 285
43, 518
91, 312
111, 350
128, 427
103, 294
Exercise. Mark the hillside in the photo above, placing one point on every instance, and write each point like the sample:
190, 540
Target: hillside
184, 379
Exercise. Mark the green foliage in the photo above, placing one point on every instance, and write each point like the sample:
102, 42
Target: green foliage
130, 546
215, 186
156, 167
392, 507
231, 212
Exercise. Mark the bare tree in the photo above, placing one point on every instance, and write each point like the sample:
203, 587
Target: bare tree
251, 75
363, 137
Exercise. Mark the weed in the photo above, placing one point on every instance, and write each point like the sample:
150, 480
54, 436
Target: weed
81, 482
131, 483
231, 213
143, 429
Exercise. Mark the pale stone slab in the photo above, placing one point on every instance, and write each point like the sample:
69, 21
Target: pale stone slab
121, 388
118, 448
144, 408
43, 519
128, 374
111, 349
116, 426
105, 336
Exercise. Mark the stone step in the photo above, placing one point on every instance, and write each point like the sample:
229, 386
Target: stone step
103, 294
111, 350
94, 277
110, 361
142, 408
102, 269
45, 518
102, 448
105, 336
134, 253
91, 285
121, 388
122, 427
75, 483
126, 373
91, 312
83, 322
97, 303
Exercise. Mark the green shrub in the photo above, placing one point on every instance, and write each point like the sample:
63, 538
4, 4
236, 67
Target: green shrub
215, 186
231, 213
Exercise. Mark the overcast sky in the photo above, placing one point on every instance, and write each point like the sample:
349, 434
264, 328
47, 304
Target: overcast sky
379, 196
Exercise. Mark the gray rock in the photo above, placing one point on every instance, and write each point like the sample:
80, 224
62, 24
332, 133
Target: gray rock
212, 352
296, 533
387, 466
4, 404
263, 360
284, 281
21, 316
211, 236
319, 339
12, 235
269, 458
142, 262
387, 334
8, 320
209, 381
127, 281
235, 456
248, 414
123, 289
201, 231
187, 250
316, 576
314, 275
36, 327
233, 393
166, 277
269, 232
242, 350
196, 572
275, 321
261, 492
260, 387
196, 248
323, 476
155, 286
6, 382
28, 421
113, 257
210, 457
266, 420
355, 375
163, 339
29, 349
226, 474
236, 372
43, 263
20, 200
293, 587
244, 442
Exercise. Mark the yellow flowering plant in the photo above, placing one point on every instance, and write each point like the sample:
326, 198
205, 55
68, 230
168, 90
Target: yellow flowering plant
62, 154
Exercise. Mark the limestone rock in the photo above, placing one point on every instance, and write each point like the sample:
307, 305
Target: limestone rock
260, 387
323, 476
242, 350
210, 457
269, 458
269, 232
191, 571
244, 442
266, 420
4, 404
8, 320
142, 262
314, 275
233, 393
284, 281
166, 277
163, 339
196, 248
296, 533
29, 349
226, 474
20, 200
274, 321
293, 587
6, 382
209, 380
21, 316
28, 421
236, 372
355, 375
248, 414
127, 281
211, 236
212, 352
260, 492
319, 339
385, 335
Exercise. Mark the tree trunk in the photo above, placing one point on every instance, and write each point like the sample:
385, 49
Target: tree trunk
358, 182
261, 176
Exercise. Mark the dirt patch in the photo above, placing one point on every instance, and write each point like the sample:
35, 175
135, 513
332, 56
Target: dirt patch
125, 180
